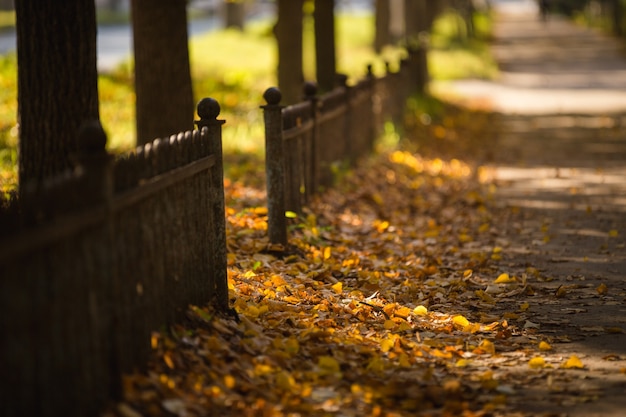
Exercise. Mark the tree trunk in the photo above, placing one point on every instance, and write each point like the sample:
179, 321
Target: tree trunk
288, 31
57, 82
234, 14
416, 24
396, 19
162, 75
382, 15
617, 16
325, 60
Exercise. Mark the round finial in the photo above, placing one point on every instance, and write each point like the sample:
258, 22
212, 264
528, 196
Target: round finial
91, 137
208, 108
310, 89
272, 96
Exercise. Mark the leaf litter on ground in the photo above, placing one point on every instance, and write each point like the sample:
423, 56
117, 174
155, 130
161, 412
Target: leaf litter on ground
391, 301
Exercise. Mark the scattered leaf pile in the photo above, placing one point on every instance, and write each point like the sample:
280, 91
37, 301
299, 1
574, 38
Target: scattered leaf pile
392, 300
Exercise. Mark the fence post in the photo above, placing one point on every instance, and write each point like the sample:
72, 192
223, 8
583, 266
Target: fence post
371, 86
310, 94
274, 168
208, 109
95, 164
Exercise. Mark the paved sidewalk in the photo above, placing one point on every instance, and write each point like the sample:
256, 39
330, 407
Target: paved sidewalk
558, 159
549, 67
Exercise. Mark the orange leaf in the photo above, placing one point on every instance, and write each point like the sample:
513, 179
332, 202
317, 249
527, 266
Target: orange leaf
460, 321
537, 362
544, 346
573, 362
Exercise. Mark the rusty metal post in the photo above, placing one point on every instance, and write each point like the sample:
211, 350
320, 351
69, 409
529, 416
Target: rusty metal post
208, 109
274, 167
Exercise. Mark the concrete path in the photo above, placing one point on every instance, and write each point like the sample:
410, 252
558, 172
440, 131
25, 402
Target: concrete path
558, 159
549, 67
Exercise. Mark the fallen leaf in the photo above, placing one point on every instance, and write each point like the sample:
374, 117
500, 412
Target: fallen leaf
573, 362
537, 362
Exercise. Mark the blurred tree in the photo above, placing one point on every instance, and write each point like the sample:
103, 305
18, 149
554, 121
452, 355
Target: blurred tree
234, 14
57, 81
617, 14
288, 32
325, 57
382, 15
6, 5
162, 74
417, 26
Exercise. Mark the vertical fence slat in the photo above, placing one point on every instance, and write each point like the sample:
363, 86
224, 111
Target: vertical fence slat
301, 158
107, 254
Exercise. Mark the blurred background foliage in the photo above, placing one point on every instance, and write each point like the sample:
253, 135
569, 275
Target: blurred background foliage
235, 67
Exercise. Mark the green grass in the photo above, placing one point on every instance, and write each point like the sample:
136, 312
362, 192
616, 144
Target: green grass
454, 56
7, 20
236, 67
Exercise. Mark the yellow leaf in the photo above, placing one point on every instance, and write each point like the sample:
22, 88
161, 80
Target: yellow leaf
291, 299
389, 308
404, 360
504, 279
462, 363
561, 292
467, 273
420, 311
613, 233
524, 306
537, 362
292, 346
327, 252
544, 346
229, 381
441, 354
404, 326
386, 345
464, 237
277, 280
328, 365
167, 357
285, 381
488, 347
262, 369
485, 297
460, 321
338, 287
389, 324
376, 364
602, 289
452, 385
573, 362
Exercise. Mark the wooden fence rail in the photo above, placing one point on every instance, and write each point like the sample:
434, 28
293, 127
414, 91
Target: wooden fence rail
102, 257
307, 142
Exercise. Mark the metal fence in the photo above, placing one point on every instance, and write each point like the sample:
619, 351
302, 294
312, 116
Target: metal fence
103, 256
307, 142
